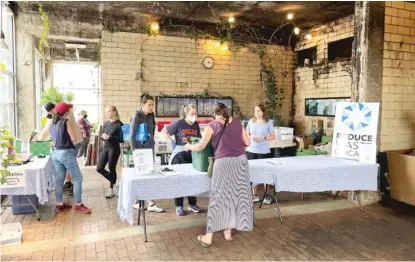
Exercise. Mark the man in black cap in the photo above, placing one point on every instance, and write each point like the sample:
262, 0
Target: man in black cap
50, 108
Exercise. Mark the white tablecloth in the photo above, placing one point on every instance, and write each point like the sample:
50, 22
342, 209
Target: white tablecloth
39, 179
293, 174
321, 173
158, 186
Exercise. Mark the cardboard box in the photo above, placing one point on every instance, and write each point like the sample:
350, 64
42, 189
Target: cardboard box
402, 176
316, 125
303, 142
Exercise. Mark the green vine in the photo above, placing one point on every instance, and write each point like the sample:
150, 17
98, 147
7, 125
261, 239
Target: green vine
45, 25
274, 95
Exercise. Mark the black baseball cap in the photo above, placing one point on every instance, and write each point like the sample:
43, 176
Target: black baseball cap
49, 107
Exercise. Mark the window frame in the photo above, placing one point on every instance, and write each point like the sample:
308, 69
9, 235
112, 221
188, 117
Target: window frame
14, 128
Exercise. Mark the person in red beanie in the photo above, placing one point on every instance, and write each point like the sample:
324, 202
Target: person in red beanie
62, 132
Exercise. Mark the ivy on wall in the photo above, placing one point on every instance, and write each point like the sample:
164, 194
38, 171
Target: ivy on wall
231, 34
45, 25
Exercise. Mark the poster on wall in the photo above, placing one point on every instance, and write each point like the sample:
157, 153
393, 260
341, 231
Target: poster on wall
355, 131
16, 179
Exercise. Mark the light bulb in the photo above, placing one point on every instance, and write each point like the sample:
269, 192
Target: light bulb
308, 37
217, 44
231, 19
296, 30
155, 27
290, 16
225, 47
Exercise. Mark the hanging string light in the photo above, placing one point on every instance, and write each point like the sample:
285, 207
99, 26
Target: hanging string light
290, 16
231, 20
155, 27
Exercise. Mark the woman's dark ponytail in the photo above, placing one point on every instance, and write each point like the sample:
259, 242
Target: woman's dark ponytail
56, 118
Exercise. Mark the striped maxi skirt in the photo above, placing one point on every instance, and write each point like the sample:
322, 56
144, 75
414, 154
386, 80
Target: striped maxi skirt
230, 203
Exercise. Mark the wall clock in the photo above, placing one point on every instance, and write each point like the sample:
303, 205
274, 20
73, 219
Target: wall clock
208, 62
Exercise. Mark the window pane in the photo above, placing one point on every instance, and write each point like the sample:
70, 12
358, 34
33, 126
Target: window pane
75, 76
6, 56
7, 117
85, 97
6, 89
92, 111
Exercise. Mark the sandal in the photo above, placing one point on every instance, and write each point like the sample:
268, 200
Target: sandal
203, 244
224, 235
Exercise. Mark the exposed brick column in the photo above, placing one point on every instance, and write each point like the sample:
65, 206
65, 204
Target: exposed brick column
367, 69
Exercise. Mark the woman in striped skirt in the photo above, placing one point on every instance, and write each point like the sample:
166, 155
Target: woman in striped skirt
230, 204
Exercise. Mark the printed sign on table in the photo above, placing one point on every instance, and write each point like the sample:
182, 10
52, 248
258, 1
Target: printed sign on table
16, 179
355, 131
143, 161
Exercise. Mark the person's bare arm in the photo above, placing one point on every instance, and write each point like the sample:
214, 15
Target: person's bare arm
44, 133
71, 130
166, 134
245, 138
203, 142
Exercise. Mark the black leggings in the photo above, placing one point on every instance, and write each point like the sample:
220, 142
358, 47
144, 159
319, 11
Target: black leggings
183, 158
252, 156
109, 155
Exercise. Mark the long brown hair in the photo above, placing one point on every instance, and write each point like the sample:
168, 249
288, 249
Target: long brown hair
264, 116
220, 109
117, 115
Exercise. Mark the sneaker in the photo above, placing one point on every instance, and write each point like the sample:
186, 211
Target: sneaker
82, 209
193, 208
62, 208
268, 200
115, 189
180, 211
110, 193
255, 199
67, 186
155, 208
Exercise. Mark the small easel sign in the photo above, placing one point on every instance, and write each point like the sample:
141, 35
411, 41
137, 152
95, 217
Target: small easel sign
143, 161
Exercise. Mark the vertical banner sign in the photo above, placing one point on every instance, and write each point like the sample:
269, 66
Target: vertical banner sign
355, 131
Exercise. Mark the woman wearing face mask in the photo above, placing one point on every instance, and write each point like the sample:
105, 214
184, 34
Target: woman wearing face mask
111, 151
260, 130
62, 132
183, 130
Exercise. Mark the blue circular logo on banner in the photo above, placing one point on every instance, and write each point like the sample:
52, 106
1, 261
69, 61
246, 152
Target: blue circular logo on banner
356, 116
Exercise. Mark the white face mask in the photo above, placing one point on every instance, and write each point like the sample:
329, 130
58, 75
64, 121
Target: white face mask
192, 118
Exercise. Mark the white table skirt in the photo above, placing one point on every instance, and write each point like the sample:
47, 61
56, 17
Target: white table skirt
39, 179
292, 174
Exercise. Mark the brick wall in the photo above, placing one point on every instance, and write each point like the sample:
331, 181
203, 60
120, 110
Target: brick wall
173, 65
323, 79
398, 91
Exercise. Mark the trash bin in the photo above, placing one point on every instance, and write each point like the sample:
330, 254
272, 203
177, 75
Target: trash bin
22, 200
200, 160
127, 159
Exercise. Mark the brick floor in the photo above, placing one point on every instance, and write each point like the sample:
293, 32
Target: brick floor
105, 217
376, 234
